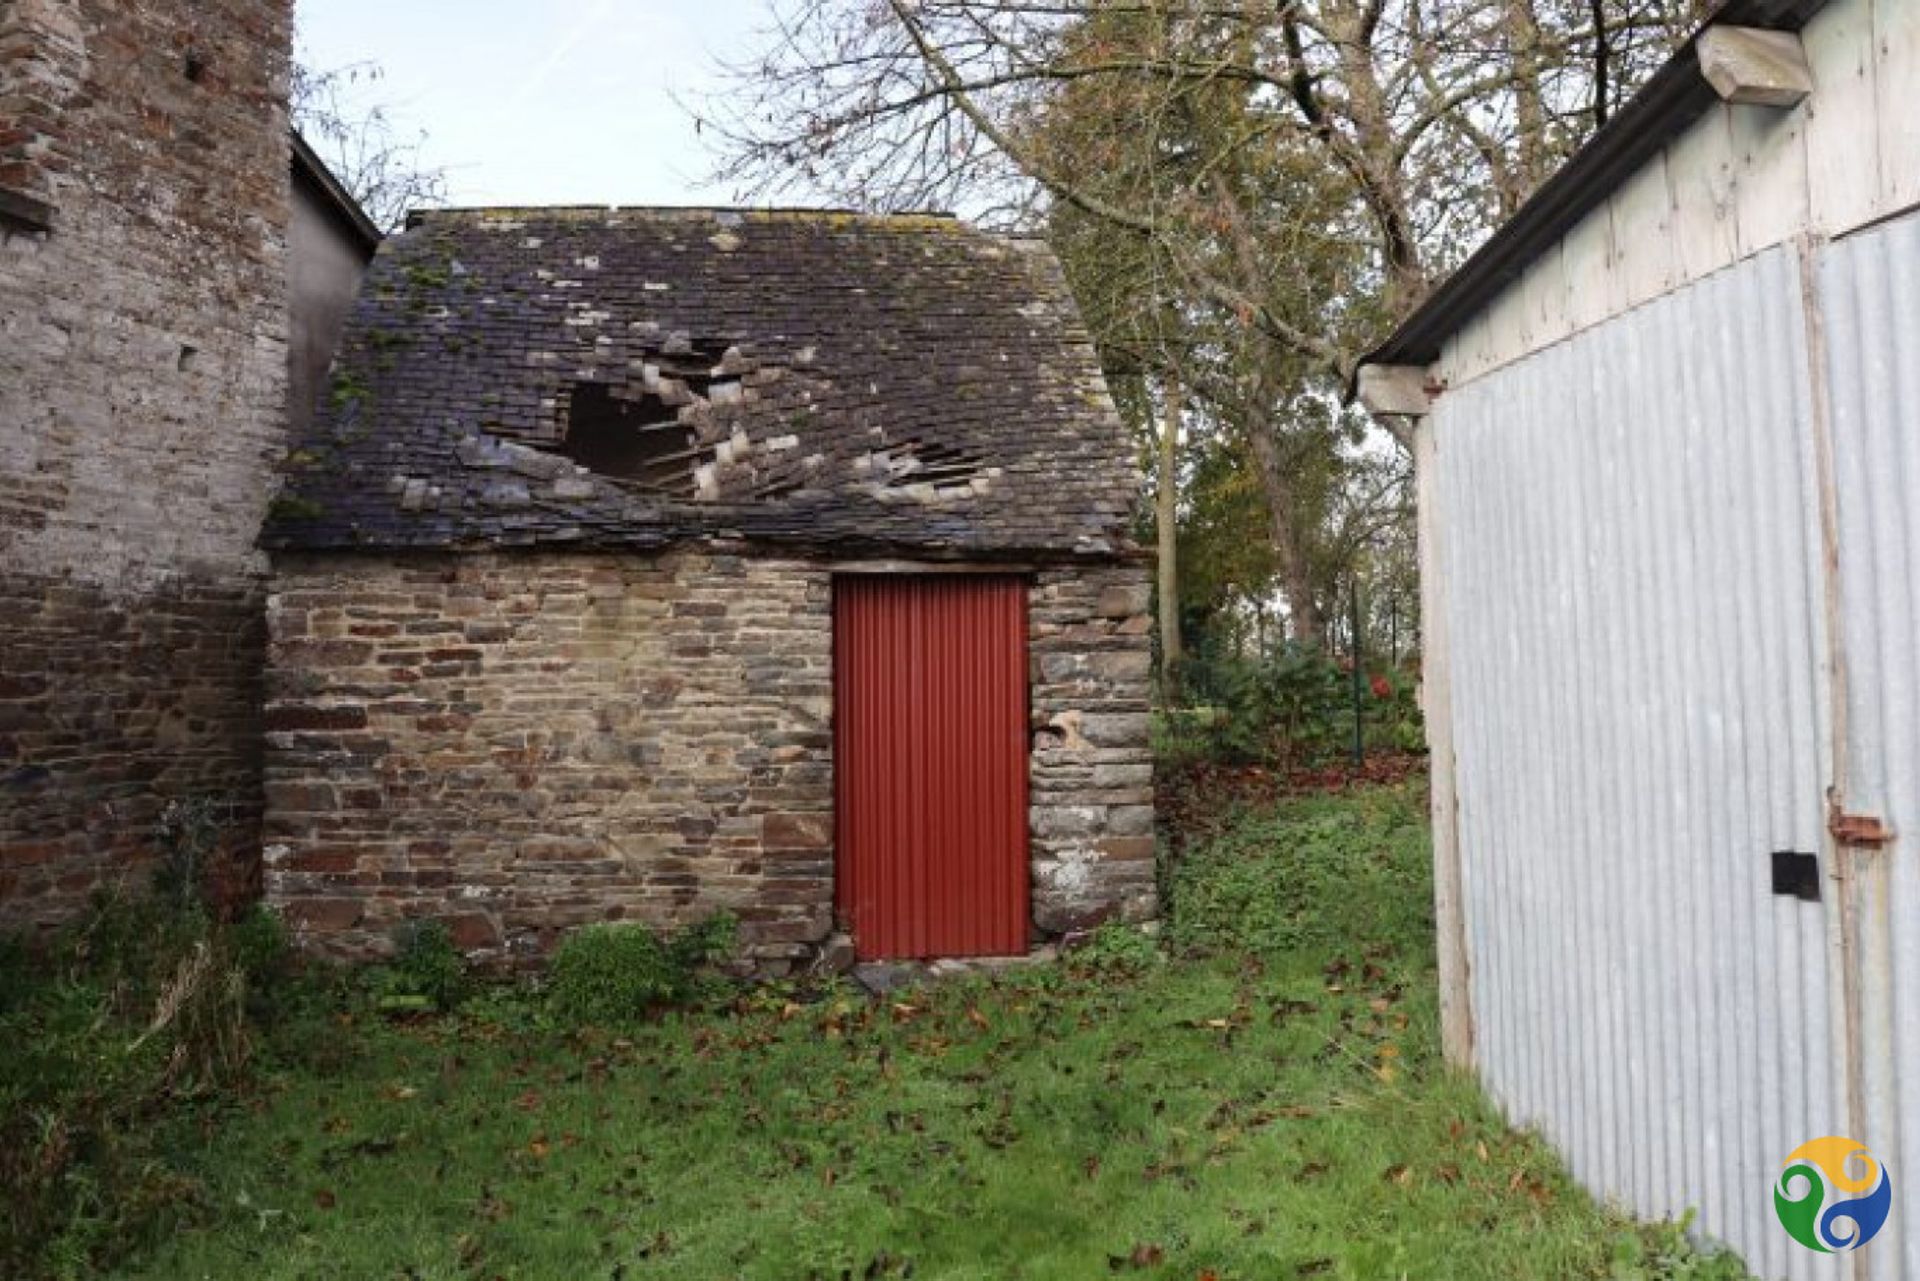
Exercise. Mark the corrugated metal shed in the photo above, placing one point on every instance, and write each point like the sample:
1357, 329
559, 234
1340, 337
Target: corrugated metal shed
1641, 701
1667, 462
1870, 299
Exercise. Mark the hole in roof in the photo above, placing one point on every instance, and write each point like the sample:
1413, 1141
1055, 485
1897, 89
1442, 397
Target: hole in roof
638, 439
904, 464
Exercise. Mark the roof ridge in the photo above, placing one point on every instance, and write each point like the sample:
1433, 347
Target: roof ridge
688, 213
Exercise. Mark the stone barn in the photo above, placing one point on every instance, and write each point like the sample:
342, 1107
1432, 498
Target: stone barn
641, 564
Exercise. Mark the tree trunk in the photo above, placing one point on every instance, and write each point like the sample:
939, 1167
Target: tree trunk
1304, 624
1166, 525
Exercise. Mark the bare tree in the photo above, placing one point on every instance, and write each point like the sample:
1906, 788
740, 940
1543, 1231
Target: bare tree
1275, 181
1429, 119
382, 168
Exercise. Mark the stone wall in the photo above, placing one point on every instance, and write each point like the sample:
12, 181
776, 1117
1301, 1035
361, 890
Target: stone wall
520, 743
143, 164
1092, 769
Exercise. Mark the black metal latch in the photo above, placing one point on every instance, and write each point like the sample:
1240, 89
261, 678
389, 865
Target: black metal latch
1797, 875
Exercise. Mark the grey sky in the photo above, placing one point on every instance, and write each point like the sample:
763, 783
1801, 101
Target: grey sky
554, 102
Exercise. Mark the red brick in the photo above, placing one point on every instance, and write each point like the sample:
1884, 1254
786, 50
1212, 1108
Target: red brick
472, 931
1126, 848
797, 831
324, 914
303, 717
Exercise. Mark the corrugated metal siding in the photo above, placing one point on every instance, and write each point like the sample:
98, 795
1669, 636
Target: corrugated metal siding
930, 676
1634, 594
1870, 295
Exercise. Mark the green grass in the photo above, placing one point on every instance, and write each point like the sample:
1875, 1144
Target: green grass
1267, 1103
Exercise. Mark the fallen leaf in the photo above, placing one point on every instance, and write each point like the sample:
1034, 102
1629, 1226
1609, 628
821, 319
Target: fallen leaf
1400, 1174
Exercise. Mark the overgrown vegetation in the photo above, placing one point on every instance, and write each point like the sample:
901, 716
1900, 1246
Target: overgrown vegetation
143, 1025
1286, 706
620, 973
427, 971
1260, 1097
145, 1006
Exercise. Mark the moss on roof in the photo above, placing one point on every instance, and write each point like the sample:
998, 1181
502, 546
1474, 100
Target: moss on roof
828, 379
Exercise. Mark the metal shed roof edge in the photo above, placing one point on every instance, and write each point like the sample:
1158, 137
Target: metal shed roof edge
1676, 96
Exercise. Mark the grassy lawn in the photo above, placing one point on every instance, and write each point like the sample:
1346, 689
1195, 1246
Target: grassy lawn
1268, 1102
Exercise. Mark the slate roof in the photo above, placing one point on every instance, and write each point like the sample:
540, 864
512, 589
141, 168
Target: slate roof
843, 383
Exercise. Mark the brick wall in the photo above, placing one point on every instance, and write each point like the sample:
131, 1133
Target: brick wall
142, 377
517, 744
1092, 770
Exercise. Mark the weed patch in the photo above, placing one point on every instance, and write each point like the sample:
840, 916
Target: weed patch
617, 974
134, 1016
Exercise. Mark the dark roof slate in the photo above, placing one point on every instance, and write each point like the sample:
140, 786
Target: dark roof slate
851, 383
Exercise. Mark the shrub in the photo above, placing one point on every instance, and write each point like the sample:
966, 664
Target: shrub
258, 940
1116, 950
428, 972
1288, 705
624, 972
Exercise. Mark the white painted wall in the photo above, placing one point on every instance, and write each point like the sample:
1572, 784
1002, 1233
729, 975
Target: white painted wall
324, 266
1739, 181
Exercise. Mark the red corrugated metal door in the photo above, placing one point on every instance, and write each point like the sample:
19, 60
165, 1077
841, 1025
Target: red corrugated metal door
930, 765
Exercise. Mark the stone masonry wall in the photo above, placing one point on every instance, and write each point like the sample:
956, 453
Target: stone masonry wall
518, 744
143, 149
1092, 767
